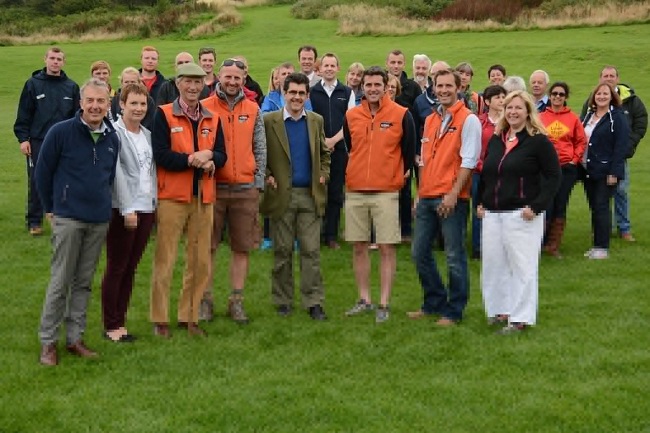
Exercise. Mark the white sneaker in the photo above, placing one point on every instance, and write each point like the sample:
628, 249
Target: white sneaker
598, 254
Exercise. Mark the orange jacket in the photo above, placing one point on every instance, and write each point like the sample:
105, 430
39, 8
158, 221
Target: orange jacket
441, 153
238, 127
566, 133
376, 160
177, 185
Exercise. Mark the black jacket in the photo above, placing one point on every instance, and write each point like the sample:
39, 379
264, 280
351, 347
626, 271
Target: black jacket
608, 145
528, 175
44, 101
255, 87
636, 113
332, 108
160, 79
410, 91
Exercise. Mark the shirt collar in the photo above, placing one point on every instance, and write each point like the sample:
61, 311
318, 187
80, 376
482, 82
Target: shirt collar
327, 86
193, 114
103, 127
286, 115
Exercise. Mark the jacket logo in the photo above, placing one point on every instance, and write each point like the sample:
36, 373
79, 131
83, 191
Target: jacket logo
242, 118
385, 125
67, 97
41, 96
205, 131
176, 129
452, 129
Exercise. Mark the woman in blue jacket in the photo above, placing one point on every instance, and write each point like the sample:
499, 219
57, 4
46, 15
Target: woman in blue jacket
603, 163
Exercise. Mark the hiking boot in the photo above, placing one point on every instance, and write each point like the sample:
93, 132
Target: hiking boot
359, 308
236, 309
206, 310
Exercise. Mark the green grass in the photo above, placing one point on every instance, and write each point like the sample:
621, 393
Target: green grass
584, 368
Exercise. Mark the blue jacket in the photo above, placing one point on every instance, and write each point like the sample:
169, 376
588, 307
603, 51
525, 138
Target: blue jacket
423, 106
44, 101
608, 145
74, 175
274, 101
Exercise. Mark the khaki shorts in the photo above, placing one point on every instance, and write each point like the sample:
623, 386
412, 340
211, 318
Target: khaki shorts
381, 209
240, 208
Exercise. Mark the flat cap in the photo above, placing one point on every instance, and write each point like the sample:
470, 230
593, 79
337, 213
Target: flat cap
189, 70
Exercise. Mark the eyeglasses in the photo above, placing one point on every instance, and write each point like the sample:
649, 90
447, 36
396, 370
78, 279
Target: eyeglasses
295, 93
558, 94
230, 62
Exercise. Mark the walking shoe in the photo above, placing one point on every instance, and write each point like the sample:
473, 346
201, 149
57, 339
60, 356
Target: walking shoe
628, 237
499, 319
49, 355
512, 328
419, 314
284, 310
236, 309
36, 230
597, 254
360, 307
267, 244
206, 310
445, 322
382, 314
194, 330
316, 312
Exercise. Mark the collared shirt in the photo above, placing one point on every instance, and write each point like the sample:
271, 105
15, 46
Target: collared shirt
286, 115
470, 146
542, 102
329, 89
194, 114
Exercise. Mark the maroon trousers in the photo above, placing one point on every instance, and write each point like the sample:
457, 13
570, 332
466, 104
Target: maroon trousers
124, 248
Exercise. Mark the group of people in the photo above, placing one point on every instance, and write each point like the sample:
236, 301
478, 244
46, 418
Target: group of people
206, 151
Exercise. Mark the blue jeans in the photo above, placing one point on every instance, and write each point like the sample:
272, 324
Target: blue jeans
622, 203
437, 299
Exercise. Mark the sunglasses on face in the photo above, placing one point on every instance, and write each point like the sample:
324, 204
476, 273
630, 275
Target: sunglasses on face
295, 93
558, 94
230, 62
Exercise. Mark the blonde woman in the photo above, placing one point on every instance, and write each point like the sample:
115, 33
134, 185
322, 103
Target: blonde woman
520, 176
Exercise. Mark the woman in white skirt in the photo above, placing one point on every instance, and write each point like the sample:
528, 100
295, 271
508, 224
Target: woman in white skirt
521, 174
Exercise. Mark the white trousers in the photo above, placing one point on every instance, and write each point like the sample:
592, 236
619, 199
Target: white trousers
511, 248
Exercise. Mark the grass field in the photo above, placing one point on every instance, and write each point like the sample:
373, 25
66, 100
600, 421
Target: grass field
584, 368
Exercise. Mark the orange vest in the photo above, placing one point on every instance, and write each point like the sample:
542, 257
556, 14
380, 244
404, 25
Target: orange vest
441, 153
177, 185
375, 162
238, 128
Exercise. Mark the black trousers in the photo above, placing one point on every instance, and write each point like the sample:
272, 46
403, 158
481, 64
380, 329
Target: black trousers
338, 165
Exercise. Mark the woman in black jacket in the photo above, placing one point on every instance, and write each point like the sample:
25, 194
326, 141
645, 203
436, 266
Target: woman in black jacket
603, 163
521, 174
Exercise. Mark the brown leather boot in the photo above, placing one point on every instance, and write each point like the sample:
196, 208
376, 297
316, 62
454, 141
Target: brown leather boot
554, 237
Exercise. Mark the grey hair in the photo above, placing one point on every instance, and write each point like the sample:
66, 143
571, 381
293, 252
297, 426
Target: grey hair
540, 71
93, 82
514, 83
420, 58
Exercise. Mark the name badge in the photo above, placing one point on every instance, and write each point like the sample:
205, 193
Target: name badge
41, 96
176, 129
243, 118
385, 125
205, 132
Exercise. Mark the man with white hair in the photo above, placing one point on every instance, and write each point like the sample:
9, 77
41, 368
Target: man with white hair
538, 84
514, 83
421, 67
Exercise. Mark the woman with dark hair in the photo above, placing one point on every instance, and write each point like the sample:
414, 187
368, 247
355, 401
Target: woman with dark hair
493, 98
520, 176
603, 163
568, 137
134, 204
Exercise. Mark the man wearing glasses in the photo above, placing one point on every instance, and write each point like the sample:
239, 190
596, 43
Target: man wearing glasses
169, 91
295, 196
239, 183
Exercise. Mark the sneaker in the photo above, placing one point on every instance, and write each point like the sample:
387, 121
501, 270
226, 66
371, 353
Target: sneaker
628, 237
598, 254
206, 310
512, 328
236, 309
36, 231
267, 244
360, 307
382, 314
